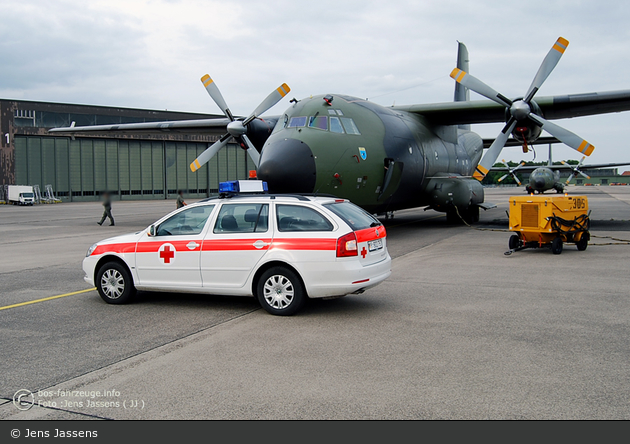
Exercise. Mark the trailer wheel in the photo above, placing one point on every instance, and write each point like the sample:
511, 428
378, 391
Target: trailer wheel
514, 242
556, 245
583, 242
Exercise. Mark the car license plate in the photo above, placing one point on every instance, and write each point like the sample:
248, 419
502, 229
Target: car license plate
374, 245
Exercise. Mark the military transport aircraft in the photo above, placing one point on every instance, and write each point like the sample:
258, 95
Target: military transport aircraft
390, 158
544, 178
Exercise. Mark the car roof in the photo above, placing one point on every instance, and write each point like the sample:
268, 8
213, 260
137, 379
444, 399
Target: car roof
284, 198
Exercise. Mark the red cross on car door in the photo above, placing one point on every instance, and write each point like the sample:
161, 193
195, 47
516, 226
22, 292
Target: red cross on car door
171, 257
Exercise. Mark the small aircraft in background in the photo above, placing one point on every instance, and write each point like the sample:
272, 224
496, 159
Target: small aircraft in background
544, 178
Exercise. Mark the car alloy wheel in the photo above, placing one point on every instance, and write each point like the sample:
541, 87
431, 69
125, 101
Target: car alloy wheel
278, 292
113, 283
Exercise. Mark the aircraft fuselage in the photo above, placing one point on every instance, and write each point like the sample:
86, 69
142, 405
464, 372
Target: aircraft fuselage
381, 159
543, 179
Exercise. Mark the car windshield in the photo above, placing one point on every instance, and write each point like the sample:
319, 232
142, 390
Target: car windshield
357, 218
188, 222
27, 194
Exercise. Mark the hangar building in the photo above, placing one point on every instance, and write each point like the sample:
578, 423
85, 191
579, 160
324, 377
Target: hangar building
128, 166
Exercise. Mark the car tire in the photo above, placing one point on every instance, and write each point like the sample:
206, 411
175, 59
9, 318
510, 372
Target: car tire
514, 242
114, 283
280, 291
556, 245
583, 242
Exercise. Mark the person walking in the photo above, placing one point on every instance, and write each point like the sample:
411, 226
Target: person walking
180, 199
107, 210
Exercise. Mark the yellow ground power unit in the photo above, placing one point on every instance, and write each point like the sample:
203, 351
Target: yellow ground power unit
548, 221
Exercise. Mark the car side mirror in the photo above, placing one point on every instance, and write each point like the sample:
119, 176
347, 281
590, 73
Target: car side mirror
152, 230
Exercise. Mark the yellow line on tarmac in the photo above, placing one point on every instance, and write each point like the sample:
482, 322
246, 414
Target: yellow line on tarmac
47, 299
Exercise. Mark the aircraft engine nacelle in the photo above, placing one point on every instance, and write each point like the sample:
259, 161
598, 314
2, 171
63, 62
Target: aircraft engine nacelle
447, 192
526, 129
259, 131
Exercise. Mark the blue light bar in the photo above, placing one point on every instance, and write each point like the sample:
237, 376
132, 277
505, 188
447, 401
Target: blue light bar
243, 186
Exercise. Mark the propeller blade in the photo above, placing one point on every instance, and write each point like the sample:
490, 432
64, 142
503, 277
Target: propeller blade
584, 174
476, 85
581, 160
251, 151
516, 179
518, 166
503, 177
210, 152
270, 101
216, 95
548, 65
493, 152
570, 178
563, 162
565, 136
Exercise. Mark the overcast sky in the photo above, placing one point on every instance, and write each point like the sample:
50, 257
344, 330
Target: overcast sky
152, 53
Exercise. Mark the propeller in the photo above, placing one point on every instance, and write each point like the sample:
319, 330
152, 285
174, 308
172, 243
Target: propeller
575, 170
511, 172
521, 109
236, 129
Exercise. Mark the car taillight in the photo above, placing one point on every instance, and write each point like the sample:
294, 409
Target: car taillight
347, 245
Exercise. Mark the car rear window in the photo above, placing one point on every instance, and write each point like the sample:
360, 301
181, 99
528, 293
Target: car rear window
299, 218
356, 217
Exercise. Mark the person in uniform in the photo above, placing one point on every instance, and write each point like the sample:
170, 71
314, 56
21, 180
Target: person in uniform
180, 199
107, 210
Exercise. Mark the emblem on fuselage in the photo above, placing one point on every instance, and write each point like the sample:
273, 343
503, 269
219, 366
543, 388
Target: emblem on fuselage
362, 153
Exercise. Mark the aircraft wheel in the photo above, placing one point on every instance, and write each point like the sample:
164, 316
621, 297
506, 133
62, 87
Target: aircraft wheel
471, 215
452, 217
114, 283
514, 242
556, 245
280, 291
583, 242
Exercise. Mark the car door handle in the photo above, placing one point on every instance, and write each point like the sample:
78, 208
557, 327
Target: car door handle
260, 244
192, 245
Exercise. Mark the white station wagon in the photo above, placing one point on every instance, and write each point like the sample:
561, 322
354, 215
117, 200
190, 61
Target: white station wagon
281, 249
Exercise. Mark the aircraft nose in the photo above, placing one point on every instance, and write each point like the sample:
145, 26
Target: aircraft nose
288, 166
539, 182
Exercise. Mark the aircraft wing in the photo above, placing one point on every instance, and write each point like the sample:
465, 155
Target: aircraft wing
594, 166
553, 107
513, 142
175, 126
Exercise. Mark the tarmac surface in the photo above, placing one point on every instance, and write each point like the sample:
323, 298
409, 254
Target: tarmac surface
459, 331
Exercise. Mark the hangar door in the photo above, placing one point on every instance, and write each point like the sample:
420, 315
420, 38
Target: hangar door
81, 169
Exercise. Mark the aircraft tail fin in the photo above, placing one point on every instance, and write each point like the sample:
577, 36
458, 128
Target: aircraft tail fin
462, 94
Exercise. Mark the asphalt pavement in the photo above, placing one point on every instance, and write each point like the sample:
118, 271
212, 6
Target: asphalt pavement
459, 331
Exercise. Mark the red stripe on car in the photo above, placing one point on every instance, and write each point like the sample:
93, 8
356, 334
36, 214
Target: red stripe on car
115, 248
369, 234
234, 244
304, 244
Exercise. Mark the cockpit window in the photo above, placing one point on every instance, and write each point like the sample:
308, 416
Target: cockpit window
296, 122
349, 125
332, 112
281, 123
320, 122
335, 125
